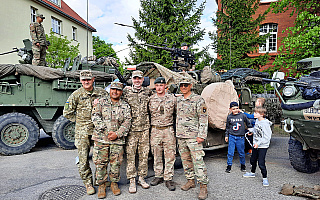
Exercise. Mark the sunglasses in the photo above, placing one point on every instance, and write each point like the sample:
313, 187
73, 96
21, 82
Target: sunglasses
184, 85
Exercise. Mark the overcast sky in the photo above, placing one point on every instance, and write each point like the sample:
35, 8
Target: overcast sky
104, 13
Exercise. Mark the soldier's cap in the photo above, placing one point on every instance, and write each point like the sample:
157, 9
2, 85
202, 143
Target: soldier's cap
184, 44
41, 16
137, 73
160, 80
116, 85
85, 74
234, 104
185, 80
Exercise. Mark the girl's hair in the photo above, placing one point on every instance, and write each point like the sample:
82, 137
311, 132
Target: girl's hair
261, 110
262, 100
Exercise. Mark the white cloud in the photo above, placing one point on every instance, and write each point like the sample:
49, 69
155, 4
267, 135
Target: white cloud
103, 15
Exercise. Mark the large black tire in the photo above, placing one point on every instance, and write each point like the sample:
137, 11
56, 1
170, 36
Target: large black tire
63, 133
19, 133
300, 159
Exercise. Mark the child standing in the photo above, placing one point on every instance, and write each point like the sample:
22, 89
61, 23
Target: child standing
261, 140
235, 131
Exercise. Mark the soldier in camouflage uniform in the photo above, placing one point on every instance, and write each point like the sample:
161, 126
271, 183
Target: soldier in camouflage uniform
78, 109
137, 97
39, 41
162, 139
112, 119
191, 131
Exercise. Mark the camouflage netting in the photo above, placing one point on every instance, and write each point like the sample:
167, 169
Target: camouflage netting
218, 96
47, 73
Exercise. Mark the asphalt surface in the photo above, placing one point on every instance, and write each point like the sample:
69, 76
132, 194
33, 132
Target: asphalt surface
30, 175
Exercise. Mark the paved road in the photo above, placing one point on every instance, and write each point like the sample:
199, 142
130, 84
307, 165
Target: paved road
47, 166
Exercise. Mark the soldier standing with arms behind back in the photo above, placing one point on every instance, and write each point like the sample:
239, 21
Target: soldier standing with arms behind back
191, 131
39, 41
137, 97
112, 119
78, 109
163, 140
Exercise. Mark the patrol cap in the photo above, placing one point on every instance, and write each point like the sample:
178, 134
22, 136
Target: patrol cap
185, 80
116, 85
41, 16
234, 104
160, 80
85, 74
137, 73
184, 44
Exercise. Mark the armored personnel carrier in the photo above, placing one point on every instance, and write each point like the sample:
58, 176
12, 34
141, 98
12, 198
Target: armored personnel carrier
301, 111
33, 97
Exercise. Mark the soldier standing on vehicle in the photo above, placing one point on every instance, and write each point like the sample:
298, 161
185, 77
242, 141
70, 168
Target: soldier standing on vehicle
39, 41
191, 131
163, 141
137, 97
112, 119
78, 109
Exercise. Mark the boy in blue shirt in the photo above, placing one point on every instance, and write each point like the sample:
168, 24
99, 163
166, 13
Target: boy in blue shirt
235, 132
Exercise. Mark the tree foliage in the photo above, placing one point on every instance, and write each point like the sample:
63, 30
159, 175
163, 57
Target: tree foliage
165, 23
238, 35
101, 48
59, 50
303, 40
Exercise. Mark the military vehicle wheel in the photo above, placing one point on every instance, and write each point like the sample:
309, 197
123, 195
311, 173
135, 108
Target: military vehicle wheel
300, 159
19, 133
63, 133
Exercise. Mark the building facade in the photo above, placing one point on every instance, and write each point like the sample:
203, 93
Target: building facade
274, 24
16, 16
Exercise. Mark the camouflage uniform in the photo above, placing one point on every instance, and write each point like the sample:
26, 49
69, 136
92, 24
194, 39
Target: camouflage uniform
78, 109
109, 116
138, 136
162, 134
192, 122
38, 36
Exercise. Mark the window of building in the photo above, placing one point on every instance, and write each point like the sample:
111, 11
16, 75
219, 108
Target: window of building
271, 42
57, 2
74, 33
56, 25
33, 14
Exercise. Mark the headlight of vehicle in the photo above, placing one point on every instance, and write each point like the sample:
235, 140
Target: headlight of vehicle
289, 91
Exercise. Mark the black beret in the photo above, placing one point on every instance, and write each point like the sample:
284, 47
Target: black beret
160, 80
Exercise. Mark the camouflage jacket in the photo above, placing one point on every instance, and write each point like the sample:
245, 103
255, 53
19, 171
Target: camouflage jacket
37, 34
78, 109
192, 117
111, 116
138, 101
161, 109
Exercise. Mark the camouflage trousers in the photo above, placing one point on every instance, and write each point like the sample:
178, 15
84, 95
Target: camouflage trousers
192, 159
82, 142
39, 55
102, 155
137, 140
163, 142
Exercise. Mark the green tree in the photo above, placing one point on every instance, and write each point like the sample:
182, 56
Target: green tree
238, 35
59, 50
101, 48
303, 40
165, 22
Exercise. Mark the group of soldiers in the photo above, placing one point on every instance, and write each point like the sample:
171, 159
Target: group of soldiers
124, 117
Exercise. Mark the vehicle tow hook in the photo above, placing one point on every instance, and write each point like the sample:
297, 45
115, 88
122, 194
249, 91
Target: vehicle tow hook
285, 126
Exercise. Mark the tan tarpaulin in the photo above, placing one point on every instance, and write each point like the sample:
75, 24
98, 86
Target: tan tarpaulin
218, 97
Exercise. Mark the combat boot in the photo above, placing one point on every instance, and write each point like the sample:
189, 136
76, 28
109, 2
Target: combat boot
170, 185
203, 194
115, 189
188, 185
102, 191
132, 187
143, 183
156, 181
90, 189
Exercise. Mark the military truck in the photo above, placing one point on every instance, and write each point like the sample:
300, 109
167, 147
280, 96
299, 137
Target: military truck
33, 97
301, 111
